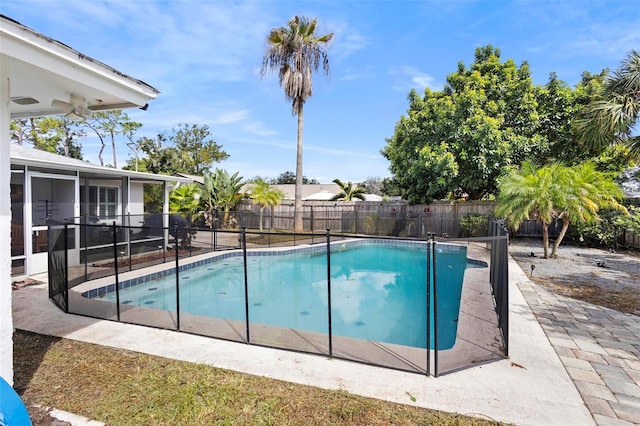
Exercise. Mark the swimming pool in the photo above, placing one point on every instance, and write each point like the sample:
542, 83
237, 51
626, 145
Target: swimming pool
378, 290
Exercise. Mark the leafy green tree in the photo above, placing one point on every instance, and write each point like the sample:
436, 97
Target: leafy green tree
348, 191
613, 116
611, 227
222, 191
190, 151
289, 177
107, 125
265, 196
462, 139
52, 134
572, 194
373, 185
295, 52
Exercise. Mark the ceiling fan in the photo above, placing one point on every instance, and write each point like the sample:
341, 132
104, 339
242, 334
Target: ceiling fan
76, 109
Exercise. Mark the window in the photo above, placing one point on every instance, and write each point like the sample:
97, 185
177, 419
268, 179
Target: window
103, 202
108, 203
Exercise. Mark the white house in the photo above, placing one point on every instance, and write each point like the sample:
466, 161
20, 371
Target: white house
40, 76
46, 185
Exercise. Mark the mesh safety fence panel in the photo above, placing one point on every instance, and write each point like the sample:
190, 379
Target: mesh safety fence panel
287, 296
57, 264
467, 331
379, 303
94, 278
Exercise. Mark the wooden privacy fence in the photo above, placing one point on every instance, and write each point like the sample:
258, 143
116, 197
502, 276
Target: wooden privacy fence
370, 218
393, 218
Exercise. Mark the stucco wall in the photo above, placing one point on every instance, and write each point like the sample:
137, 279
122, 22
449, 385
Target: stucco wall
136, 199
6, 323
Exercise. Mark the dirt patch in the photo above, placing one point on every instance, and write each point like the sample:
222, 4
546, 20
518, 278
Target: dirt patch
602, 277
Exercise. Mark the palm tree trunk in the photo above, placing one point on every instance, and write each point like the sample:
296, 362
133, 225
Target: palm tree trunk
261, 214
297, 218
545, 239
563, 231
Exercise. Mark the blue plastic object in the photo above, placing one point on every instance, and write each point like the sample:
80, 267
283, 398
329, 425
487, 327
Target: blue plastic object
12, 409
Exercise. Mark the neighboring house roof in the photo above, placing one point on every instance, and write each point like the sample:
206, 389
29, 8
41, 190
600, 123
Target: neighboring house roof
313, 192
24, 156
42, 70
320, 196
307, 190
372, 197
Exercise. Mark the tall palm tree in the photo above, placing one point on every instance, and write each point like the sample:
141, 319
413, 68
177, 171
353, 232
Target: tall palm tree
264, 195
295, 52
612, 118
348, 191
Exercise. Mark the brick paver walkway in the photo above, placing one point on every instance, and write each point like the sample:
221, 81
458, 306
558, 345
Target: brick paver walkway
600, 349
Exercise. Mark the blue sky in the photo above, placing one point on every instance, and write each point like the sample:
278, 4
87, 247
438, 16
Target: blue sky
204, 57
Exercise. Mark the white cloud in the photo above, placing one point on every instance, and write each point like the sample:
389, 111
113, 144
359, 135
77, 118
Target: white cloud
229, 117
408, 78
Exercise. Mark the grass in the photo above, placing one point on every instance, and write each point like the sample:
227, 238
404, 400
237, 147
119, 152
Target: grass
121, 387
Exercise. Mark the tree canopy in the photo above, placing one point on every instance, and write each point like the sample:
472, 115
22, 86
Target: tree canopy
486, 121
611, 118
190, 151
58, 135
289, 177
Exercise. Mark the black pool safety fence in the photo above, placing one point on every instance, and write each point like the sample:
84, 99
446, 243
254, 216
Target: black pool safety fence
428, 306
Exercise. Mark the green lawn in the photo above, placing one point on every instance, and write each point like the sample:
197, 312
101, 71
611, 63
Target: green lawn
128, 388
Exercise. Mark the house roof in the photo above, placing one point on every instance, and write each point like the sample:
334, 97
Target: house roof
323, 195
24, 156
307, 190
193, 178
42, 70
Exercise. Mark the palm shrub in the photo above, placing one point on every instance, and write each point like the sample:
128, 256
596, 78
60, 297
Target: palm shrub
264, 195
222, 191
348, 191
186, 199
556, 192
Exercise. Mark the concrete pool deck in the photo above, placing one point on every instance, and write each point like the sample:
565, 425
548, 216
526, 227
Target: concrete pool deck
531, 387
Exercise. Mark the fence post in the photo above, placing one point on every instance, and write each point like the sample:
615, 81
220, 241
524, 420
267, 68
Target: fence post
329, 291
86, 251
190, 236
66, 264
128, 228
312, 220
246, 280
435, 307
428, 305
175, 246
115, 262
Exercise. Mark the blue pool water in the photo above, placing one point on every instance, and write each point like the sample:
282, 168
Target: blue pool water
378, 291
